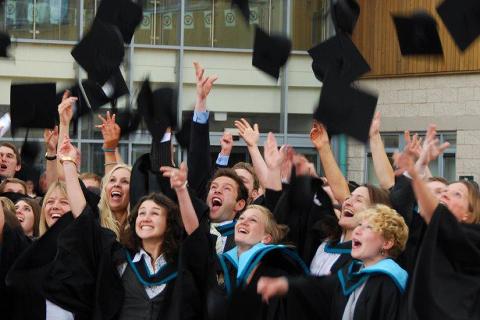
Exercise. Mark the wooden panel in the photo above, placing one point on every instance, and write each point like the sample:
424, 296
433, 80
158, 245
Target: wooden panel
376, 38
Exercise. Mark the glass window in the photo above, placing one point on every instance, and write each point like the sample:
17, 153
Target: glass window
18, 17
56, 19
89, 11
309, 23
160, 23
198, 23
93, 159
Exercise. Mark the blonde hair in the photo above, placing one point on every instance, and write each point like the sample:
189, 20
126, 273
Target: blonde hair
389, 224
7, 204
107, 218
43, 227
275, 230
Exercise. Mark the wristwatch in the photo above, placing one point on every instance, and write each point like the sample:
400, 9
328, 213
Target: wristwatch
50, 158
66, 158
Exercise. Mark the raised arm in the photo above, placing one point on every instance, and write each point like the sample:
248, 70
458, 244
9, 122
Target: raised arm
338, 183
50, 137
274, 159
111, 135
178, 182
383, 169
67, 155
226, 142
251, 135
65, 112
406, 162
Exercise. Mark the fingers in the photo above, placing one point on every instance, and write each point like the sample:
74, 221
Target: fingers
255, 128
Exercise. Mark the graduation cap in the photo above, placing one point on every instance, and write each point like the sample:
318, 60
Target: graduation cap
100, 52
418, 34
344, 109
158, 108
338, 54
128, 120
124, 14
270, 52
33, 106
243, 7
462, 19
345, 15
4, 44
15, 196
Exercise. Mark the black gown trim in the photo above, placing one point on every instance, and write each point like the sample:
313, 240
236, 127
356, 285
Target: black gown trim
164, 275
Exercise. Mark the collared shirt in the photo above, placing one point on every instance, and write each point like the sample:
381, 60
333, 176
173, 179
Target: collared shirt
221, 240
222, 160
323, 261
200, 116
151, 291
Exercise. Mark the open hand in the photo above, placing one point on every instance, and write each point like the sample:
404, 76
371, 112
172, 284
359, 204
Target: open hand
249, 134
110, 131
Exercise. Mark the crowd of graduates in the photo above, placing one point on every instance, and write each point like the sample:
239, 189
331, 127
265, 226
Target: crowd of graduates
209, 239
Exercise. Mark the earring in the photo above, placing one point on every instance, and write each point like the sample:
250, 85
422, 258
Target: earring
382, 252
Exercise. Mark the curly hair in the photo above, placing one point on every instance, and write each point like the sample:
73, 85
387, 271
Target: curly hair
389, 224
173, 230
275, 230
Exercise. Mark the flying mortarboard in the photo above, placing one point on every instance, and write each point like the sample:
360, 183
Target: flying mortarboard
124, 14
338, 54
244, 8
128, 120
345, 15
344, 109
183, 135
100, 52
4, 44
418, 34
158, 109
33, 106
462, 19
270, 52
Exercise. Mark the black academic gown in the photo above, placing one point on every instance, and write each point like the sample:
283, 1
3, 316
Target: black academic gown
446, 280
13, 243
323, 298
308, 212
216, 279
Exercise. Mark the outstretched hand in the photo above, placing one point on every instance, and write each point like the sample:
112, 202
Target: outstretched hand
270, 287
110, 131
65, 108
273, 157
319, 136
50, 137
249, 134
204, 84
431, 148
67, 149
178, 177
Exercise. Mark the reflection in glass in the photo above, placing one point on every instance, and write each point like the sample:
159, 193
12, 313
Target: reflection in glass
160, 23
309, 23
18, 18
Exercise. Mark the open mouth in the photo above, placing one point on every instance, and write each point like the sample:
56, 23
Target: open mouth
20, 218
242, 230
348, 214
356, 244
3, 166
55, 216
216, 202
146, 228
116, 194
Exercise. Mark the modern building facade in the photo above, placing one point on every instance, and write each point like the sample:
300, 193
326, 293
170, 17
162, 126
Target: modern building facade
174, 33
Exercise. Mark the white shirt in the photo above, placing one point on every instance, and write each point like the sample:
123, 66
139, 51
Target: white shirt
349, 310
54, 312
323, 261
151, 291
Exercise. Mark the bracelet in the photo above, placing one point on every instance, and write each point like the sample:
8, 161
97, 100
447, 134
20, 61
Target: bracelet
108, 149
50, 158
67, 159
109, 163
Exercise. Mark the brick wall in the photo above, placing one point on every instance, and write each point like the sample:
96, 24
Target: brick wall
450, 101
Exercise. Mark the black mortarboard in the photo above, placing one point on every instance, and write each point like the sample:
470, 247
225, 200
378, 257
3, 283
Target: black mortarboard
345, 15
100, 52
243, 7
112, 89
270, 52
338, 54
4, 44
33, 106
158, 108
29, 153
183, 135
128, 120
462, 19
124, 14
15, 196
418, 34
344, 109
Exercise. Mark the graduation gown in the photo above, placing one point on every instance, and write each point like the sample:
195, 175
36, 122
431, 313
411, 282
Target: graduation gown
13, 243
308, 212
327, 297
217, 281
446, 280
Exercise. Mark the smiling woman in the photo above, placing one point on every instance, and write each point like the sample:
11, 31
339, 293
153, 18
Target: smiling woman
55, 205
